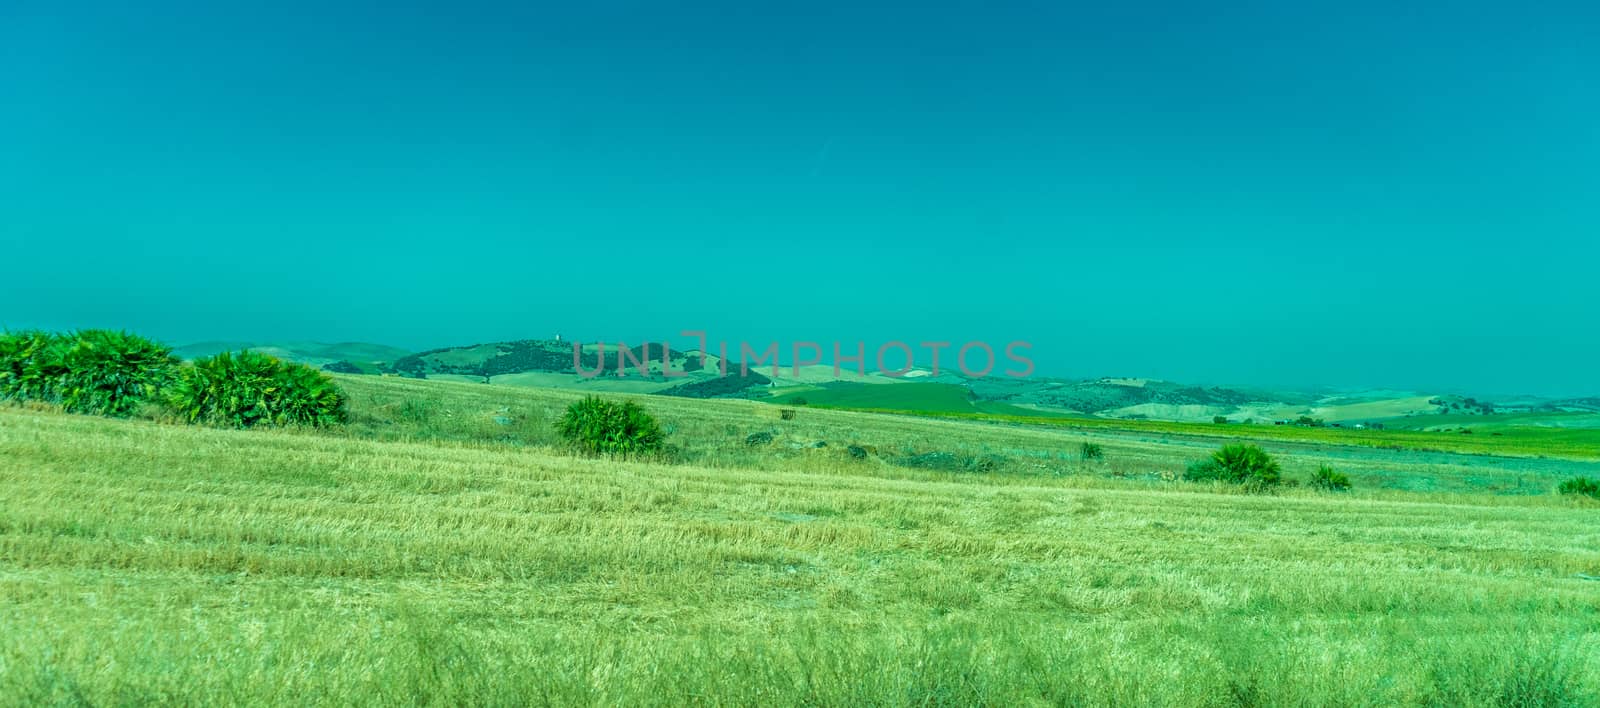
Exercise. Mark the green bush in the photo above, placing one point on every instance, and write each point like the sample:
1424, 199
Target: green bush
247, 389
92, 371
1091, 451
1581, 486
598, 426
112, 373
1329, 479
1238, 463
32, 364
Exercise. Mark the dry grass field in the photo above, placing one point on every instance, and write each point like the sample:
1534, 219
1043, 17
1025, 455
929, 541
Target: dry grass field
443, 550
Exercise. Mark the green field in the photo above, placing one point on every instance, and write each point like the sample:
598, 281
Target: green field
1486, 435
910, 397
441, 549
1502, 422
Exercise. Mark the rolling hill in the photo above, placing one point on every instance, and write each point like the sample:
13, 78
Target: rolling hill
549, 364
317, 354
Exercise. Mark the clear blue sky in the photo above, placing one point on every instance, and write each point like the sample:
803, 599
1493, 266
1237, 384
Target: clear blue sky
1340, 193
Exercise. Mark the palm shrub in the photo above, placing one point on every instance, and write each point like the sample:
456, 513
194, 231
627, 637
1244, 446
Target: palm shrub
1581, 486
111, 373
1237, 463
32, 364
1329, 479
598, 426
247, 389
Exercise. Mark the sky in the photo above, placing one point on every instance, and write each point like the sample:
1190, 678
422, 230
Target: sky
1347, 194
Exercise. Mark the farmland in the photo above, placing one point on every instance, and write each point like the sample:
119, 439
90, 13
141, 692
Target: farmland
1498, 439
442, 549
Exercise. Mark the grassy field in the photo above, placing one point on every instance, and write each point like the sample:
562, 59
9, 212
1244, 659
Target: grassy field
1501, 422
908, 397
441, 550
1485, 436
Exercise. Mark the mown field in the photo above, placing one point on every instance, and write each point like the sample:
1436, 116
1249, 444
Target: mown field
442, 550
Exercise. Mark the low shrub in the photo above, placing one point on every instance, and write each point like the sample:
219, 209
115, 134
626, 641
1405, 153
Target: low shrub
1581, 486
598, 426
1237, 463
1092, 451
92, 371
112, 373
248, 389
32, 364
1329, 479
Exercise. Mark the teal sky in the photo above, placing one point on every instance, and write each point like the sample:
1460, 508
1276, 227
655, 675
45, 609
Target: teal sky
1340, 193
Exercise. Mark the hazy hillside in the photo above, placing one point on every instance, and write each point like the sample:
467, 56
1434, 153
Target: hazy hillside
549, 364
313, 353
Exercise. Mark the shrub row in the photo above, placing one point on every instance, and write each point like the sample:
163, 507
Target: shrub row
93, 371
116, 374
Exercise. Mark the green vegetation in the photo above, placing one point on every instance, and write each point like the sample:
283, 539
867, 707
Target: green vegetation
249, 389
1540, 441
731, 385
348, 367
903, 397
1328, 479
97, 372
1092, 451
112, 373
430, 554
1581, 486
1237, 463
598, 426
116, 374
32, 364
